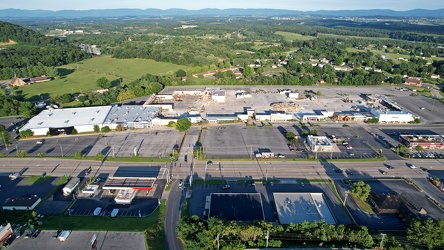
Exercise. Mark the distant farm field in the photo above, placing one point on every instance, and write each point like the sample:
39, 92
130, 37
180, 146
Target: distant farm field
290, 36
82, 76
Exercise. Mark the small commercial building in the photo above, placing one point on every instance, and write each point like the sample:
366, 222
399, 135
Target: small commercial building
131, 116
64, 121
299, 207
22, 203
319, 143
386, 116
424, 141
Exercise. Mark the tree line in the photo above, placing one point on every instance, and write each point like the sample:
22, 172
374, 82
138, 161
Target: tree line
199, 234
34, 54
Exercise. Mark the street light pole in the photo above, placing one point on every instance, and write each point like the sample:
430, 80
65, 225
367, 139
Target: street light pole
345, 199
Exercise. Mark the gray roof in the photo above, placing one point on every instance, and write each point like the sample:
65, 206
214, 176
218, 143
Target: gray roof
131, 113
21, 202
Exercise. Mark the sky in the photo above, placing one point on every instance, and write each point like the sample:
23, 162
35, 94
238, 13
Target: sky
304, 5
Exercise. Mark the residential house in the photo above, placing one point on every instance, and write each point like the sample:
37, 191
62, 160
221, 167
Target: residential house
18, 82
412, 81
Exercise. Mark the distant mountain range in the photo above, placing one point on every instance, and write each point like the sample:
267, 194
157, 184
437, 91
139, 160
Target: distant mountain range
17, 13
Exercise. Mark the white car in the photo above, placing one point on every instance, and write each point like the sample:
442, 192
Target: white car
281, 156
412, 166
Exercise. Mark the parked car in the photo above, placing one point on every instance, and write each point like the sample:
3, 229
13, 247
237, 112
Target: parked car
225, 187
412, 166
209, 163
281, 156
180, 183
349, 146
56, 234
186, 158
41, 141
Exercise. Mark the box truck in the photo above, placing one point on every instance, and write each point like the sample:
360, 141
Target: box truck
71, 186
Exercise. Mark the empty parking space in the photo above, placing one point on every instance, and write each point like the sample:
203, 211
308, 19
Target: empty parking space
82, 240
54, 146
152, 143
428, 109
25, 187
238, 141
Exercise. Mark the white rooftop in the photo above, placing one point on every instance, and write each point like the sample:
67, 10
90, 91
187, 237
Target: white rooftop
61, 118
300, 207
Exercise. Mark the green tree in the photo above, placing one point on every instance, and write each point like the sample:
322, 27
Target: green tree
5, 137
96, 128
21, 153
26, 133
183, 124
319, 93
78, 155
290, 135
103, 83
248, 71
361, 190
313, 132
74, 132
428, 232
171, 124
373, 120
99, 156
304, 132
106, 129
181, 73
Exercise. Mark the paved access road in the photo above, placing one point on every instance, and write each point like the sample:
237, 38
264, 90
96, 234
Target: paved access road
285, 169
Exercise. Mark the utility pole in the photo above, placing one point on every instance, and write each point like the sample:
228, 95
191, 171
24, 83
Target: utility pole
382, 240
266, 175
331, 155
267, 237
114, 154
61, 149
345, 199
217, 238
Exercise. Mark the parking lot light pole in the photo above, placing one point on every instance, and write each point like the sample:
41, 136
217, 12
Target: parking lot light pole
346, 195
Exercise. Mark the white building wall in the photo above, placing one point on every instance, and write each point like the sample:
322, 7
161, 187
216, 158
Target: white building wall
40, 131
86, 128
263, 117
398, 118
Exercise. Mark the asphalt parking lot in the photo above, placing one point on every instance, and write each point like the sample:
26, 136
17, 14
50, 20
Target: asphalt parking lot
82, 240
238, 141
54, 146
143, 204
433, 109
199, 193
22, 187
416, 199
151, 143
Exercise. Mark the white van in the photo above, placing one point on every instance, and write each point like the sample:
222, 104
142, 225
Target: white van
114, 212
97, 211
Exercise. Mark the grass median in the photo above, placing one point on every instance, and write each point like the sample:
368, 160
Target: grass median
104, 223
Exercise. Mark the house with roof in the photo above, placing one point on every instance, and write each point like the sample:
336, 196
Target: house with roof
16, 82
413, 81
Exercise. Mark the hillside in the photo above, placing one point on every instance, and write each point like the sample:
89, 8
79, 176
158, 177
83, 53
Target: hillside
9, 31
33, 54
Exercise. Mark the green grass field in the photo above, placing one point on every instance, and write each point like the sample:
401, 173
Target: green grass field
290, 36
391, 55
82, 76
